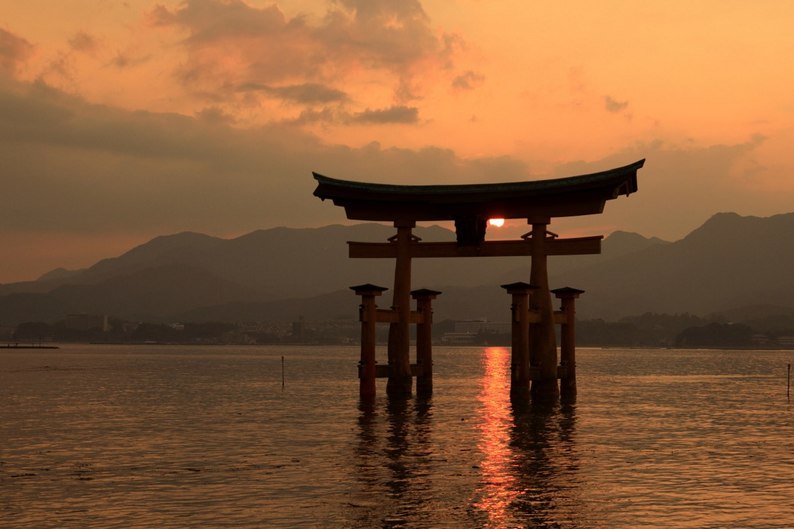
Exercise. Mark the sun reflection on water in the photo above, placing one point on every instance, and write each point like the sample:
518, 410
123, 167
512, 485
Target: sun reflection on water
499, 484
529, 466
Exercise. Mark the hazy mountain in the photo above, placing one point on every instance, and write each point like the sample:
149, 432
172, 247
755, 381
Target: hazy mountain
281, 273
147, 294
58, 274
728, 262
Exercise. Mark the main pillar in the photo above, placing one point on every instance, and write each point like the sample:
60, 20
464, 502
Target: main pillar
399, 383
424, 340
543, 342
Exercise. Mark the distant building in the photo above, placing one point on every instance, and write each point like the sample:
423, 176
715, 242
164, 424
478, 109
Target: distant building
87, 322
458, 338
472, 331
482, 327
298, 328
786, 341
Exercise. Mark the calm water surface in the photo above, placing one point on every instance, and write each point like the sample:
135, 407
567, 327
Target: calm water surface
172, 437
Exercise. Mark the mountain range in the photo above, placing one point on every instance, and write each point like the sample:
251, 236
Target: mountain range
729, 263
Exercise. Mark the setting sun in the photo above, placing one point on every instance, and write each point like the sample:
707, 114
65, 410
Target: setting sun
496, 222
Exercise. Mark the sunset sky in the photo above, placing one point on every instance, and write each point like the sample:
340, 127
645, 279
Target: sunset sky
124, 120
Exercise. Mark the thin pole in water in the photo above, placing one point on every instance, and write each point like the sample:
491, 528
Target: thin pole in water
788, 383
282, 372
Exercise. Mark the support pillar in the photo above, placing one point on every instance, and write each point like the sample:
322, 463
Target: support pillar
519, 363
543, 341
424, 340
567, 297
367, 315
400, 382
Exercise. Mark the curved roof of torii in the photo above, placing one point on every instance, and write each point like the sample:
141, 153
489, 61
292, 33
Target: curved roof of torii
559, 197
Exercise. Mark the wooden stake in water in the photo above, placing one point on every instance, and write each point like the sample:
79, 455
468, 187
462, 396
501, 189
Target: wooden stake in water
282, 372
788, 382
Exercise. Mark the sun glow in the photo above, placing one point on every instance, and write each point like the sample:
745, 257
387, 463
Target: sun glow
498, 223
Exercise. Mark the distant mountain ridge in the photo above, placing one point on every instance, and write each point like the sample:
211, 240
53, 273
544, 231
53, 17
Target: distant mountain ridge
730, 261
280, 273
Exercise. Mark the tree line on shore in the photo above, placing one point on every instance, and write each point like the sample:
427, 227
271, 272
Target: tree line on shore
647, 330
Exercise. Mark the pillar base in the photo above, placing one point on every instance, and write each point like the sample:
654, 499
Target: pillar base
424, 388
545, 390
568, 388
399, 386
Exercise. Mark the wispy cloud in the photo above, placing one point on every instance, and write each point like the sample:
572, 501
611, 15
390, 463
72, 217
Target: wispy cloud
14, 51
393, 114
301, 93
83, 42
467, 80
614, 106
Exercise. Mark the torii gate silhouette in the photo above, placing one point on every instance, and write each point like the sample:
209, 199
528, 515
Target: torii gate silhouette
470, 206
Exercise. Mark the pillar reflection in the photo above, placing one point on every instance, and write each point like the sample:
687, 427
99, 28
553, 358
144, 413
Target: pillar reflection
393, 463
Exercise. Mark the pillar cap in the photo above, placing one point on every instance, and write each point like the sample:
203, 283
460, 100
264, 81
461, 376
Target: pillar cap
518, 286
368, 288
424, 293
567, 292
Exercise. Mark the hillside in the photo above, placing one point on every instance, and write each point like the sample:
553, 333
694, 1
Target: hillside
730, 261
281, 273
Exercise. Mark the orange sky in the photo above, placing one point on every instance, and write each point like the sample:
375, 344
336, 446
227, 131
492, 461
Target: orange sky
123, 120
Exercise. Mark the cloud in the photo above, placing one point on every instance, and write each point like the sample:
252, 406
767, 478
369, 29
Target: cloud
614, 106
232, 44
380, 33
307, 93
14, 51
467, 80
393, 114
75, 167
213, 114
83, 42
126, 60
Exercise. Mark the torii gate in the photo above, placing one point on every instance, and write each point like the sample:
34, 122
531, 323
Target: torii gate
470, 206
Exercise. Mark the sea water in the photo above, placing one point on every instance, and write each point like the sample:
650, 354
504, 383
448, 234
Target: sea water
205, 436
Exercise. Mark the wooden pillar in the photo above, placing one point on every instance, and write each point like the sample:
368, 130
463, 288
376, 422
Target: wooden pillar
519, 363
367, 315
399, 383
424, 340
567, 297
542, 340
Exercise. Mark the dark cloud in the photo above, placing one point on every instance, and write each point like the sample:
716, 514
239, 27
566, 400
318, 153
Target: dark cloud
14, 51
467, 80
216, 20
131, 59
324, 115
614, 106
216, 115
76, 167
393, 114
307, 93
380, 33
83, 42
262, 47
